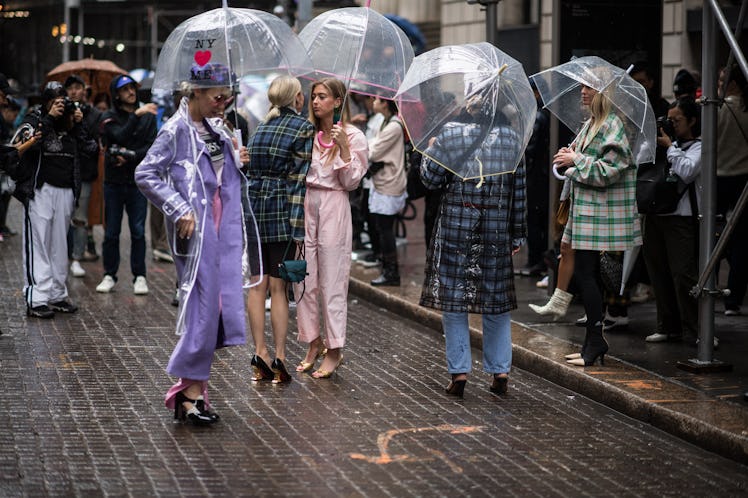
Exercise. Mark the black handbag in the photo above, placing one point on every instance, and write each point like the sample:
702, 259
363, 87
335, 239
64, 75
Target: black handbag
415, 187
374, 168
658, 191
611, 272
292, 270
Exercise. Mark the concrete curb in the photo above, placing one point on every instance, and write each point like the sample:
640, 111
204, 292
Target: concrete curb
687, 427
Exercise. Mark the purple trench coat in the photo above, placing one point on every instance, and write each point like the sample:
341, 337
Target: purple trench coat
177, 177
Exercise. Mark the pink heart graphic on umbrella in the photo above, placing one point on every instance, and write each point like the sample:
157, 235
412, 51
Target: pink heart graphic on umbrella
202, 57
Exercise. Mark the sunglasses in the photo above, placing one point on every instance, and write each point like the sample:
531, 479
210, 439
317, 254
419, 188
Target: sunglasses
221, 97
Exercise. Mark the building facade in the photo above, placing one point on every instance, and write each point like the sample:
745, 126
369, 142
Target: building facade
539, 33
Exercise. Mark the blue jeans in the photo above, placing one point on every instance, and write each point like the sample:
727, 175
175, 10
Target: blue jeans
119, 198
497, 342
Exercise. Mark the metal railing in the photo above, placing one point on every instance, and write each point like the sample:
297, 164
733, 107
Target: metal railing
705, 290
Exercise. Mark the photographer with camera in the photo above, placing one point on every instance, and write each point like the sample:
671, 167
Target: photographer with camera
89, 166
128, 129
48, 186
671, 238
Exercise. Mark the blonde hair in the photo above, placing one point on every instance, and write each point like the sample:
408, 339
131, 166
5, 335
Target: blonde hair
186, 89
600, 107
282, 93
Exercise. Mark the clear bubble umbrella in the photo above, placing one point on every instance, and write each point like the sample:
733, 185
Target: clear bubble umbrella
244, 41
360, 47
449, 86
560, 88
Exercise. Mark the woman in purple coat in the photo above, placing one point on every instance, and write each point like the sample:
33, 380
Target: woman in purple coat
191, 174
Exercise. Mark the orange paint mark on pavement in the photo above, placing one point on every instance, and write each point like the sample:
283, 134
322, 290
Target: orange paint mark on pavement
682, 400
384, 439
643, 385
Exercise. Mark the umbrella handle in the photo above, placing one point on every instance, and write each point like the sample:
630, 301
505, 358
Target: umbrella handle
558, 175
323, 144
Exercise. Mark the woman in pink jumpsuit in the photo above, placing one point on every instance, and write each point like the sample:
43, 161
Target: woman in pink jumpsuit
339, 162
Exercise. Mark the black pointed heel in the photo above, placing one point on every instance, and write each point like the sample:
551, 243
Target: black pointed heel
597, 348
500, 385
260, 369
280, 374
194, 414
456, 387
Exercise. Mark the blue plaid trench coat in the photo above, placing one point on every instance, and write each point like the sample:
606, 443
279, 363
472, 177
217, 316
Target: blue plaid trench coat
279, 156
469, 260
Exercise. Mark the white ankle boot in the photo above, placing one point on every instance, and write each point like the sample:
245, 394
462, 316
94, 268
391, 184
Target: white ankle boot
557, 306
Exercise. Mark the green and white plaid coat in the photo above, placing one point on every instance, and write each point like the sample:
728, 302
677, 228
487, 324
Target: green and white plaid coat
603, 215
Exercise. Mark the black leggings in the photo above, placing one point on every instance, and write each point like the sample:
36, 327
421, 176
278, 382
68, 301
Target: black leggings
586, 271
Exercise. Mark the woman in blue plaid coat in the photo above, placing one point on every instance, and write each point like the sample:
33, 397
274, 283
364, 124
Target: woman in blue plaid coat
469, 261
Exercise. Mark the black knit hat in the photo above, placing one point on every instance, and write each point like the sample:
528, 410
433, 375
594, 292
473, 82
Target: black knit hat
684, 83
72, 79
52, 90
5, 86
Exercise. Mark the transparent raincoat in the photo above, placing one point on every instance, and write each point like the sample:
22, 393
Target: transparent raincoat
177, 177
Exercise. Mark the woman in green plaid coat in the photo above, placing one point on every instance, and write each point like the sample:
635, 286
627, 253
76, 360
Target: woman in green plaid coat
603, 215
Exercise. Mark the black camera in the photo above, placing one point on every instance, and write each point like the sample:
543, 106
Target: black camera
374, 168
118, 150
70, 105
666, 125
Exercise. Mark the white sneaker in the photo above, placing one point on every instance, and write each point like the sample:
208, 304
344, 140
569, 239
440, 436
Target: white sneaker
660, 337
160, 255
642, 293
106, 284
140, 287
612, 322
267, 304
77, 270
542, 283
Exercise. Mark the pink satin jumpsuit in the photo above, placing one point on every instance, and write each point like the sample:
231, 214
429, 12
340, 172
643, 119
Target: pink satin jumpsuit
328, 240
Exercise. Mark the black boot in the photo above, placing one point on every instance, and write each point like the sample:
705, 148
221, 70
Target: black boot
390, 272
595, 345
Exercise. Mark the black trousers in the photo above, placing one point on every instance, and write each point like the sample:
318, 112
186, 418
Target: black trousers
384, 227
729, 189
671, 253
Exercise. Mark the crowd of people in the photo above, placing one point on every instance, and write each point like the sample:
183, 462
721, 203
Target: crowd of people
310, 181
667, 267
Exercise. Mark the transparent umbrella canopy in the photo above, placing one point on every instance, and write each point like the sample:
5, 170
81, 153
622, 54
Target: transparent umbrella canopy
360, 47
560, 88
246, 41
444, 85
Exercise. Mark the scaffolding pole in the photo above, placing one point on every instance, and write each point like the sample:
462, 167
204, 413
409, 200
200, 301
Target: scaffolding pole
705, 290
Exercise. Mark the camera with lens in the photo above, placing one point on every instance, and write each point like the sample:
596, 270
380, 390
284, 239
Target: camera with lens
119, 151
70, 105
666, 125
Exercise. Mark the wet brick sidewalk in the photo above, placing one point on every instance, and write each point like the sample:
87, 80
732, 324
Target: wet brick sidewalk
83, 415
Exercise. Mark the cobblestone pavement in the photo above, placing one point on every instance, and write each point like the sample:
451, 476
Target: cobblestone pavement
83, 414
